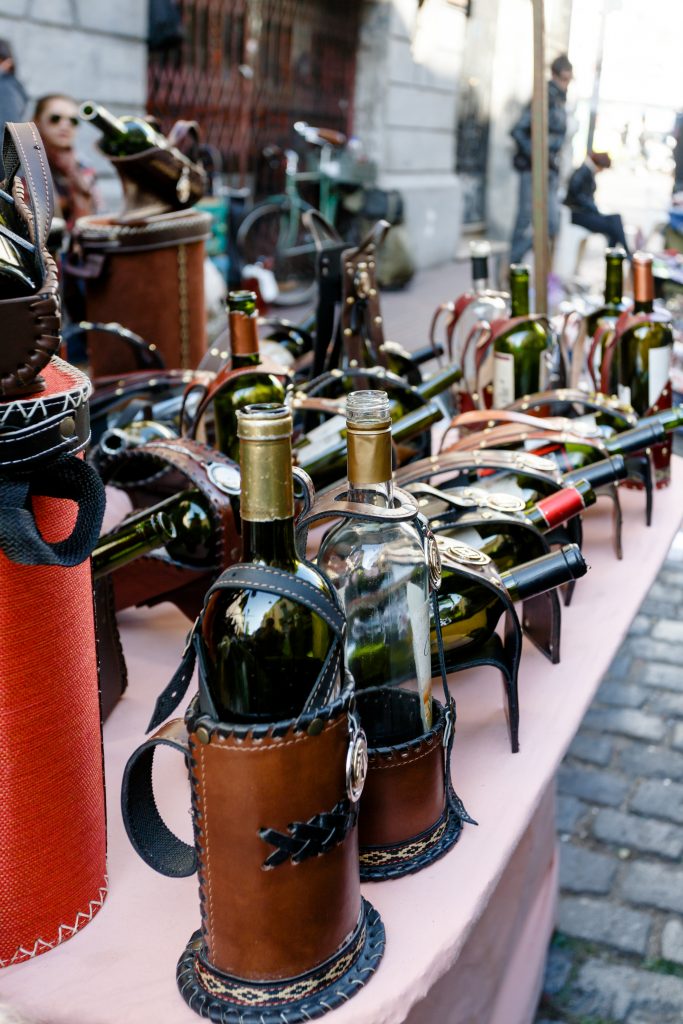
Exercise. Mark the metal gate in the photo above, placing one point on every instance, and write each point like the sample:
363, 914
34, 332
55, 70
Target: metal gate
247, 69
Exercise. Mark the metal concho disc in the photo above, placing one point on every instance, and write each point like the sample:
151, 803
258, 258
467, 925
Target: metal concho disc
463, 553
504, 503
525, 460
225, 478
356, 765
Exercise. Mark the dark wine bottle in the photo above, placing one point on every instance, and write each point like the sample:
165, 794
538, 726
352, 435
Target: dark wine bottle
181, 524
520, 353
614, 305
644, 350
264, 652
469, 612
245, 389
121, 136
131, 540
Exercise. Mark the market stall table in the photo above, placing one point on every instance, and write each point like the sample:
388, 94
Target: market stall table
466, 938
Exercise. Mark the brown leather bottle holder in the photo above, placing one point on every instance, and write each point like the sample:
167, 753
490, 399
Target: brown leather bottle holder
285, 934
157, 263
410, 815
30, 325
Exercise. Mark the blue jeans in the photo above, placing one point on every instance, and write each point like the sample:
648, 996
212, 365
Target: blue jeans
523, 234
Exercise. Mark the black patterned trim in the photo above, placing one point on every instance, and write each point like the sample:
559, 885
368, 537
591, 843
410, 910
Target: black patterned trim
229, 1000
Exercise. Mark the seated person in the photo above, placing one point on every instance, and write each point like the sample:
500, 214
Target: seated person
580, 199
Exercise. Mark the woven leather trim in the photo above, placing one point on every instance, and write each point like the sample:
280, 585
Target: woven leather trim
385, 856
310, 838
221, 731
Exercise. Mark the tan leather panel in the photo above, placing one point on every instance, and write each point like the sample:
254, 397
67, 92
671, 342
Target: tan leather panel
272, 923
403, 796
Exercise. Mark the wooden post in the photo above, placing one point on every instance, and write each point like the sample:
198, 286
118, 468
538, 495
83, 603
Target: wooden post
539, 162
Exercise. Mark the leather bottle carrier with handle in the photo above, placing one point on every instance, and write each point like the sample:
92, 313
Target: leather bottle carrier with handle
275, 809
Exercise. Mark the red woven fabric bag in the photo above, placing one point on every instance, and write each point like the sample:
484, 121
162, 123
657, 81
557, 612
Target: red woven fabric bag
52, 813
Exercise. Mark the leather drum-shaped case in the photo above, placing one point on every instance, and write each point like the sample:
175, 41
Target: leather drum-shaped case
52, 815
149, 276
409, 813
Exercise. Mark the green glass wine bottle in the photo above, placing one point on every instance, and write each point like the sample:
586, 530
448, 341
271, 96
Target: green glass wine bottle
246, 388
379, 567
121, 136
644, 350
469, 612
265, 652
181, 524
614, 305
520, 353
131, 540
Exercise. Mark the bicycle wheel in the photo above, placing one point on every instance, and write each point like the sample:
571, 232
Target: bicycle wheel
273, 233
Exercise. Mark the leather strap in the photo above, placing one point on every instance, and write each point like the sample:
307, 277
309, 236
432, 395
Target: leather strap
64, 432
148, 355
147, 831
580, 402
22, 148
68, 478
270, 580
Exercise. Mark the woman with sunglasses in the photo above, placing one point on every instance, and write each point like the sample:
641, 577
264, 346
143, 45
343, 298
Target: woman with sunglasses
56, 117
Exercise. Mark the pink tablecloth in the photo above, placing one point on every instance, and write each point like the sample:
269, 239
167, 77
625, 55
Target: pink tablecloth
469, 932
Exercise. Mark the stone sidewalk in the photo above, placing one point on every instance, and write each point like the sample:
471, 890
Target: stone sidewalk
617, 954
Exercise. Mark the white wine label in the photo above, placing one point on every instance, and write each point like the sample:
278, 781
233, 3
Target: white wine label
418, 610
624, 394
658, 367
503, 379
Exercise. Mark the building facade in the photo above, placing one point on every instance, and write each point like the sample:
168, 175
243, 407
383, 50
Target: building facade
430, 87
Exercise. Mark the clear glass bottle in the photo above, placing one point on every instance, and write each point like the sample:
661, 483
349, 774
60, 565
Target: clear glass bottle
379, 568
486, 305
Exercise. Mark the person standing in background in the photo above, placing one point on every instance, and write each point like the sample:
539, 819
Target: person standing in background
13, 96
56, 118
522, 236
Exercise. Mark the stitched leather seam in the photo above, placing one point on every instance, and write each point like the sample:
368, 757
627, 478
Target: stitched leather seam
290, 593
272, 742
205, 830
403, 763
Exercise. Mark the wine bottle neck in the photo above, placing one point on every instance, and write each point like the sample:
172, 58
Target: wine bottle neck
614, 281
643, 283
544, 573
369, 457
480, 273
131, 540
519, 294
559, 507
437, 383
650, 430
244, 340
111, 126
598, 474
270, 542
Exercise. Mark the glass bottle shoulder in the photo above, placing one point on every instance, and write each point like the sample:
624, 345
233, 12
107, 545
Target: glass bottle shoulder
529, 335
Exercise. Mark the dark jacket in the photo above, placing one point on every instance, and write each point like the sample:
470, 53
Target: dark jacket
581, 189
13, 100
557, 129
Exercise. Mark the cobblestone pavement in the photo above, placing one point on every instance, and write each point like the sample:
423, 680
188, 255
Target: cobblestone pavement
617, 953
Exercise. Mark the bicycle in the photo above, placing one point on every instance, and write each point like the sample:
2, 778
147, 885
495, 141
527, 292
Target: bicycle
273, 231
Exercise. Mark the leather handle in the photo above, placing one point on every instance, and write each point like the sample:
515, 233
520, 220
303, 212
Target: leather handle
149, 834
68, 478
22, 148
